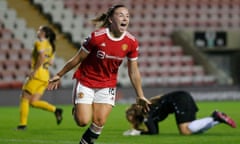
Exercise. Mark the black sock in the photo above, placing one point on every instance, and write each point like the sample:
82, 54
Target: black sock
89, 137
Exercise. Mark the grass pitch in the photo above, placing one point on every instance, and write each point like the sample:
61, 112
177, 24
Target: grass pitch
42, 128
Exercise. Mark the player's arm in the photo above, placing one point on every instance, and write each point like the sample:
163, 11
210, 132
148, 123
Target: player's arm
51, 60
152, 126
135, 78
39, 63
73, 62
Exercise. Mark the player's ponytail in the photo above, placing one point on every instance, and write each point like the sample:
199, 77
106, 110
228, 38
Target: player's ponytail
50, 35
102, 20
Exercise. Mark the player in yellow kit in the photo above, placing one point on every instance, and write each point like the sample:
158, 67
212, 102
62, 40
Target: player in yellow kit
37, 81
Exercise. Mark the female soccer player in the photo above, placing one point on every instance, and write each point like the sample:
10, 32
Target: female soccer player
37, 81
182, 105
100, 57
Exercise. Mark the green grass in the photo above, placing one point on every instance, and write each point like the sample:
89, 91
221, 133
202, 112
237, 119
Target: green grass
42, 128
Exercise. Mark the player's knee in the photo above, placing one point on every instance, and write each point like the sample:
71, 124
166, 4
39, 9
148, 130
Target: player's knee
184, 129
32, 103
80, 121
99, 122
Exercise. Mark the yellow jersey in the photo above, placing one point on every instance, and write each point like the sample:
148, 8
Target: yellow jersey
42, 46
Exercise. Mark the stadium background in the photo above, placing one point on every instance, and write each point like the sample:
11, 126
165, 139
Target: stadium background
184, 45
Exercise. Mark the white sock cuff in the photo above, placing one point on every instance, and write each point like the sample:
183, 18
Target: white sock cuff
96, 129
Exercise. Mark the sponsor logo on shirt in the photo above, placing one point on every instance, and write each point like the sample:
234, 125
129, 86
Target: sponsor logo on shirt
101, 54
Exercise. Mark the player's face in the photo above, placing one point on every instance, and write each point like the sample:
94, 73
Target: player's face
130, 118
130, 115
40, 33
119, 20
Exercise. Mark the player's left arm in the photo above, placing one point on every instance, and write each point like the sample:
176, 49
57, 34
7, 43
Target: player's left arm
51, 60
136, 81
39, 63
152, 126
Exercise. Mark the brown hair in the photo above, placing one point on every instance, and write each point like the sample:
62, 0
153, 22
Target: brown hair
102, 20
50, 35
136, 112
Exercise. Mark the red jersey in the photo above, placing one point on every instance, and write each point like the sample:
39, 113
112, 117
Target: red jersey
105, 55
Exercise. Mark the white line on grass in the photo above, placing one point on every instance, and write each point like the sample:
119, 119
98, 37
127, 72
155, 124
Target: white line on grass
36, 141
40, 141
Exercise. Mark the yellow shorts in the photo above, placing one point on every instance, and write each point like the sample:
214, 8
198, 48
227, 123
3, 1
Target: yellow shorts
35, 86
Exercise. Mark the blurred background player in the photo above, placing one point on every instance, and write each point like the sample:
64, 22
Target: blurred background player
100, 57
182, 105
37, 81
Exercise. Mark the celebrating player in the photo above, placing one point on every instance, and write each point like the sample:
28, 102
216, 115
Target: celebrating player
182, 105
37, 81
100, 57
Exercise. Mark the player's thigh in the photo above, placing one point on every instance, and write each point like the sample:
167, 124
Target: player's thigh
100, 113
83, 113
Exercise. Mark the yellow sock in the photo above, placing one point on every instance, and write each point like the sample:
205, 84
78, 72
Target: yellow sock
24, 110
44, 105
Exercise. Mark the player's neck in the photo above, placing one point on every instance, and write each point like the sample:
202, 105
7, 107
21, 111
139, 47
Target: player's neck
115, 34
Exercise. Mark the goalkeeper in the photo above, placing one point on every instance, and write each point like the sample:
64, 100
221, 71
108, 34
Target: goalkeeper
182, 105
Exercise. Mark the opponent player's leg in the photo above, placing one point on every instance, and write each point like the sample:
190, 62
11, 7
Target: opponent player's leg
197, 126
24, 110
203, 124
188, 124
36, 102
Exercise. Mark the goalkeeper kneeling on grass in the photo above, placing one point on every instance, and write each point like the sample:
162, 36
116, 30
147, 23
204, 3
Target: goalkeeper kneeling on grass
182, 105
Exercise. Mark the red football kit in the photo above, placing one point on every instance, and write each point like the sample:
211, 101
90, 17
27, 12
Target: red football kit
106, 53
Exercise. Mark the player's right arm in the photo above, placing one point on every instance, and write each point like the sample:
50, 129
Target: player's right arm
73, 62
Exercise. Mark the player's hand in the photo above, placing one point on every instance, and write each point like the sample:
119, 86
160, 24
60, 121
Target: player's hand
144, 103
54, 82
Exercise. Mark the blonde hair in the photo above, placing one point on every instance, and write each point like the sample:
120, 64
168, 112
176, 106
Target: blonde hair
102, 20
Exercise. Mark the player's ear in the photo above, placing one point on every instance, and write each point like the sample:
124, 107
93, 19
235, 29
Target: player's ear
110, 20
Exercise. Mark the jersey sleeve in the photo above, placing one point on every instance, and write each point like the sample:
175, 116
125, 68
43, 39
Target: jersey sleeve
152, 125
39, 46
88, 43
133, 53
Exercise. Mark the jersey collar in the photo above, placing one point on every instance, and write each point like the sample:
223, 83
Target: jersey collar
113, 38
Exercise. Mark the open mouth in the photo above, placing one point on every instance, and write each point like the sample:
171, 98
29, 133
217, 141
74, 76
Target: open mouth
123, 25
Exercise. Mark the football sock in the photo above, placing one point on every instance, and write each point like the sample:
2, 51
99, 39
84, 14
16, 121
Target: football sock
24, 110
44, 105
201, 125
91, 134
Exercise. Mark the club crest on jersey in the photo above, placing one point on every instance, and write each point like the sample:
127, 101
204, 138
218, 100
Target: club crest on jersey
80, 95
124, 47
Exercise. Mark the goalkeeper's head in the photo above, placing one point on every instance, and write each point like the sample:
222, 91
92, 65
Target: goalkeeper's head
135, 115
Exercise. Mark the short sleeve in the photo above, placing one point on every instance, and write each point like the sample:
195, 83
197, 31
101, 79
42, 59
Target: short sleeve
88, 43
39, 46
133, 54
